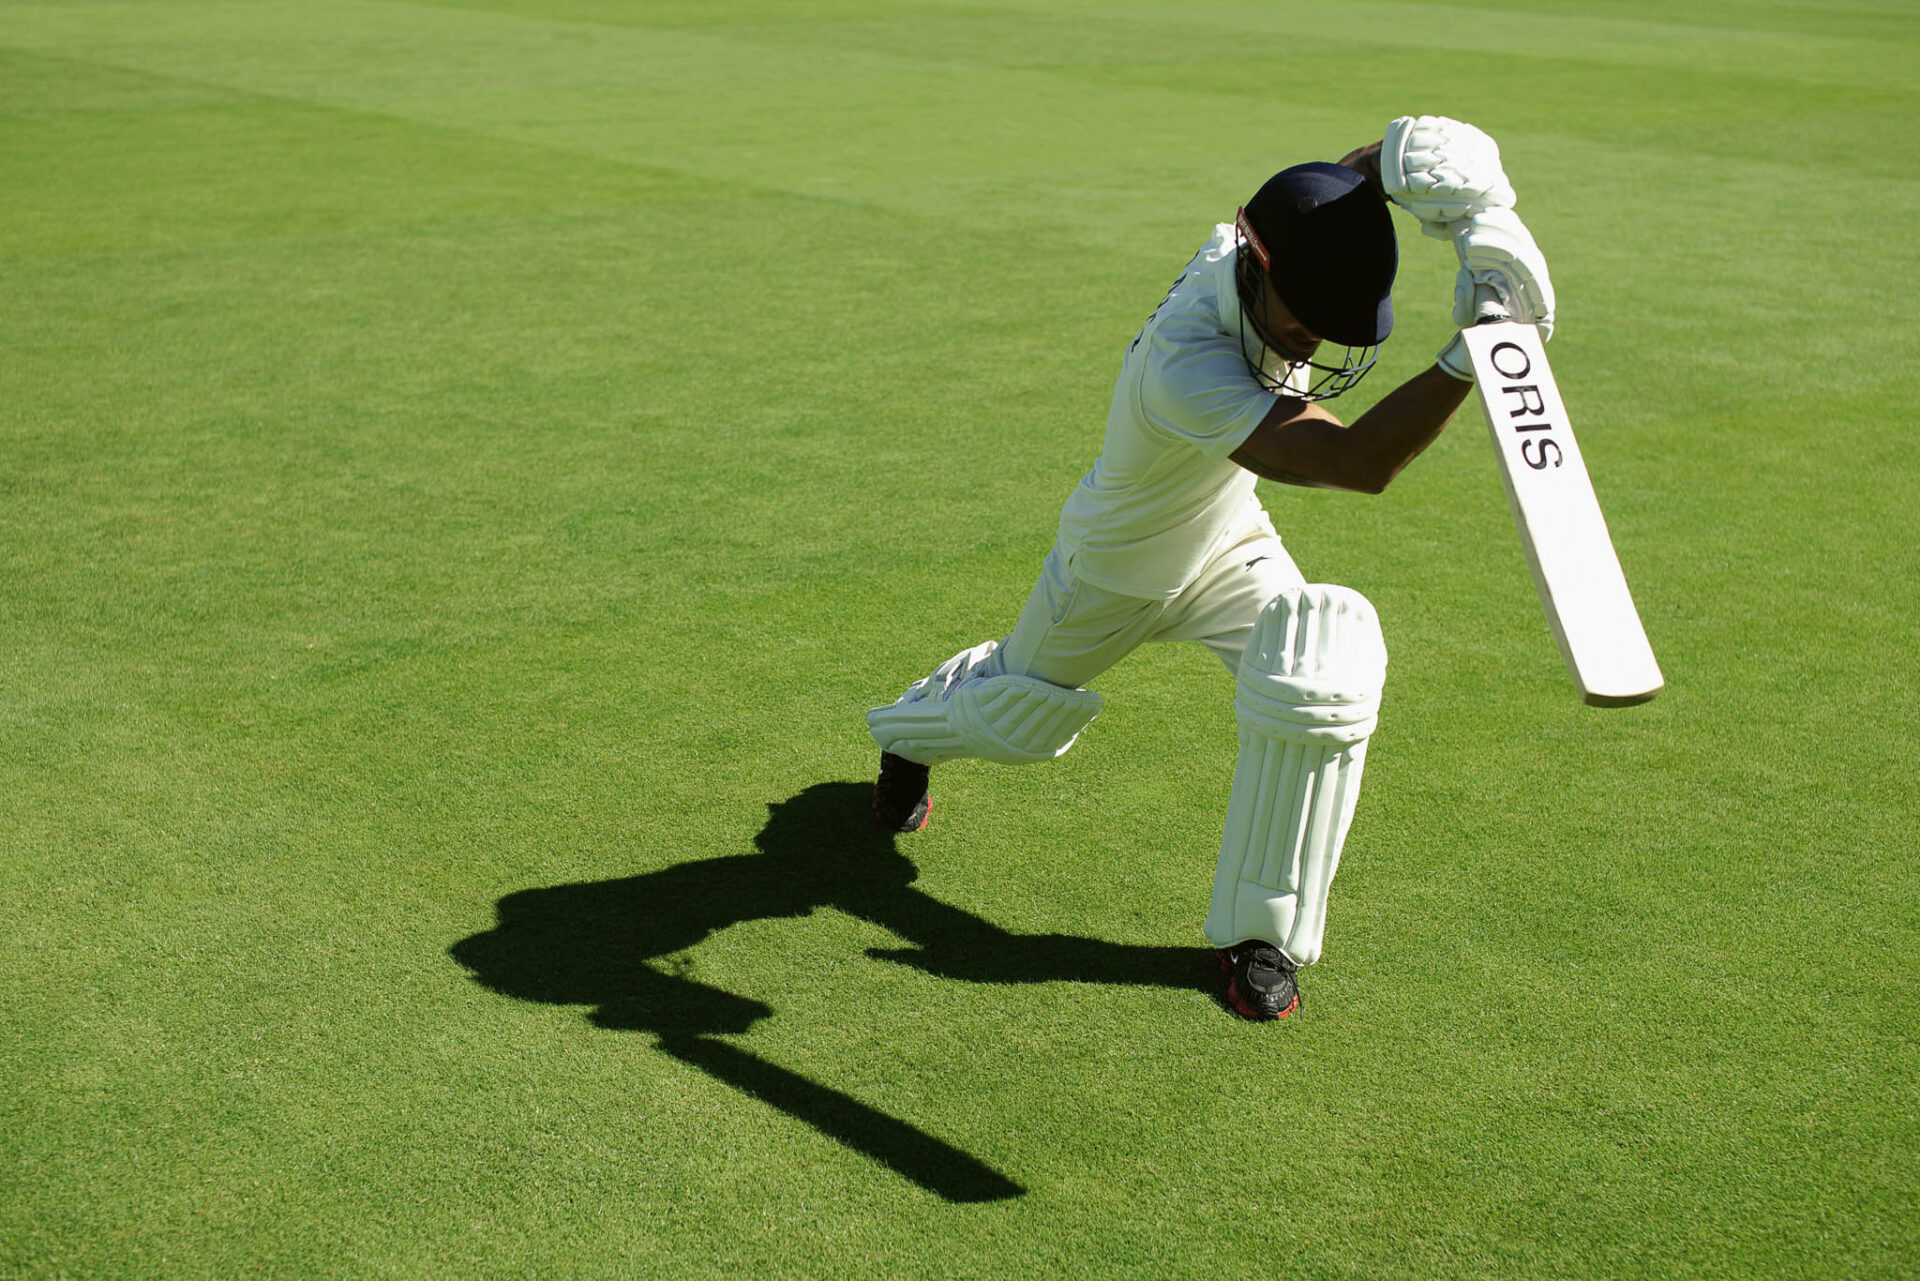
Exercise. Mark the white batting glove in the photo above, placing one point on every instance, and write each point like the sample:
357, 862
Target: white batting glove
1497, 250
1442, 170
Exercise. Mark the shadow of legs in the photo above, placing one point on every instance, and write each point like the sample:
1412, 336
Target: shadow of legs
938, 1167
1058, 958
613, 945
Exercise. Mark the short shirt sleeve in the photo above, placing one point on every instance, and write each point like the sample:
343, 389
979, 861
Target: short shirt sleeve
1194, 386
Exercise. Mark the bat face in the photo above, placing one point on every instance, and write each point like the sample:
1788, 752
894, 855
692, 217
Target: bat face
1569, 551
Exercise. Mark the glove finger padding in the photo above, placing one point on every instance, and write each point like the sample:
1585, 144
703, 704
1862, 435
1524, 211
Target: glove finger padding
1496, 249
1463, 309
1440, 170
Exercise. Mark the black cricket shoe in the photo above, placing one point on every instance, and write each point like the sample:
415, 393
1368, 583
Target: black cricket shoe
900, 800
1262, 985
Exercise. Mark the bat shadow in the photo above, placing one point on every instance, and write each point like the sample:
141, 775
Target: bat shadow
609, 944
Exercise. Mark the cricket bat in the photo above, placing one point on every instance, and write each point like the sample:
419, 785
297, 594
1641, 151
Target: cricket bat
1568, 548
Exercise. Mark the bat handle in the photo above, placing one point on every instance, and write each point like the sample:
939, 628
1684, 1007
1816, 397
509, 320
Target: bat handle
1487, 307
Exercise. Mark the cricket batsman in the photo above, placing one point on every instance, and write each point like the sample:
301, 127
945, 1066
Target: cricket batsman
1282, 310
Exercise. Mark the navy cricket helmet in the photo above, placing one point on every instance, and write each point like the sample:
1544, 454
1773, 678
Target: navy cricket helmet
1325, 240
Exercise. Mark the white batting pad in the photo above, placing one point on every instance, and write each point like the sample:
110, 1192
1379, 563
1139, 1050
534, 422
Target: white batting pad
958, 711
1308, 698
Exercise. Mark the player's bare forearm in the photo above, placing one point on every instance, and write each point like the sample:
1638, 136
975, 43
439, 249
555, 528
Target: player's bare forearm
1302, 444
1366, 162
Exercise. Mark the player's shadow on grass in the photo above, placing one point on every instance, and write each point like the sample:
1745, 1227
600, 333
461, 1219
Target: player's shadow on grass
608, 944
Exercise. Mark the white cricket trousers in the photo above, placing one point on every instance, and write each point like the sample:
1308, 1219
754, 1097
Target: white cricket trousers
1071, 631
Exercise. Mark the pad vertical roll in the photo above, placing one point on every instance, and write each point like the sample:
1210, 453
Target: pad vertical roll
1308, 698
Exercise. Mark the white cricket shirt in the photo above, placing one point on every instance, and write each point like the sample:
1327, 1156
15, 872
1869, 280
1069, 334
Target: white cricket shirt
1163, 495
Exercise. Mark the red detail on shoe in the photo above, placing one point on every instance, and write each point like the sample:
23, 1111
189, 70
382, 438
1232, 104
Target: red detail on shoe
1247, 1011
882, 822
1235, 1000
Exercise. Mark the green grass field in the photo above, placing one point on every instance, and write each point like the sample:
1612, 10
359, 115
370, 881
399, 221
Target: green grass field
466, 468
